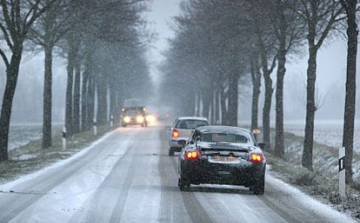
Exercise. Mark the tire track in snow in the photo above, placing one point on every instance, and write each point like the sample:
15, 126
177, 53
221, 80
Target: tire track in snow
176, 206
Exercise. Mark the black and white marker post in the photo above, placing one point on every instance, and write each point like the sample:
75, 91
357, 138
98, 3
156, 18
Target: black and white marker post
95, 127
342, 187
64, 138
111, 121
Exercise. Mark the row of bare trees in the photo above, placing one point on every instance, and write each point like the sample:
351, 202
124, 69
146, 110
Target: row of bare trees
223, 44
103, 44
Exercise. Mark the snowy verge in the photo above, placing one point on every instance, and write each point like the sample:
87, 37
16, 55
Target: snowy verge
28, 177
307, 201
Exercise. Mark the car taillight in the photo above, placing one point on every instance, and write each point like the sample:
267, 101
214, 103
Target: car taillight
175, 134
192, 155
256, 158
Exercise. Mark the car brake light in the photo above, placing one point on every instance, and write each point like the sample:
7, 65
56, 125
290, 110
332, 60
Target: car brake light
175, 134
256, 158
192, 155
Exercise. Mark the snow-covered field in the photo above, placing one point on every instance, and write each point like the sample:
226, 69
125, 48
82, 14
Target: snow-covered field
22, 134
328, 132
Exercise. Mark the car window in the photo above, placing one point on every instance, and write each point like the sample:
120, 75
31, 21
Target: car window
223, 137
194, 135
132, 112
190, 124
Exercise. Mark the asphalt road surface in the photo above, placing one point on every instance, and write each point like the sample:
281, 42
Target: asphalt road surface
129, 177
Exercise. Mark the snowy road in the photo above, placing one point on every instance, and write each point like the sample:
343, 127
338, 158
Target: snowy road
128, 177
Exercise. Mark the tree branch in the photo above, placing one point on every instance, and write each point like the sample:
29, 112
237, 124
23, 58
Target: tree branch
5, 59
7, 37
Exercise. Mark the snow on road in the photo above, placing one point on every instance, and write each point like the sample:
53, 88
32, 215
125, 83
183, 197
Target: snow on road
122, 177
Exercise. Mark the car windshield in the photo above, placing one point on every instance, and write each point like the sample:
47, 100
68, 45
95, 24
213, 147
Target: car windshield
224, 137
132, 112
190, 124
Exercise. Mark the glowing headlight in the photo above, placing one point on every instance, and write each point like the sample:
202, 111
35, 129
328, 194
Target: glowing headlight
150, 118
127, 119
140, 119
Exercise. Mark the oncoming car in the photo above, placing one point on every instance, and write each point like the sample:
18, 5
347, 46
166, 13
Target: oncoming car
222, 155
182, 129
133, 116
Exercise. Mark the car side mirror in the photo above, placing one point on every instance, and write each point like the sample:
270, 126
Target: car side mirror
182, 142
262, 145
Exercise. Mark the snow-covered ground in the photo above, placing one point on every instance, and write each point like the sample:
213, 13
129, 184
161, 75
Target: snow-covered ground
328, 132
22, 134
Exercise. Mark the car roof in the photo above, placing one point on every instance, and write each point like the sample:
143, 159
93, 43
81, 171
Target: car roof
192, 118
222, 129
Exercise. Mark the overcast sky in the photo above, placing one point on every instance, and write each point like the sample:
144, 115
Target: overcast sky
160, 18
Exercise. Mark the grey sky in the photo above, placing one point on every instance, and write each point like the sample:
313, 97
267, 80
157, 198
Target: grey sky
160, 18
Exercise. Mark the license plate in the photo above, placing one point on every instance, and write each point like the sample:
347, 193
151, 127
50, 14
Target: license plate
224, 172
224, 159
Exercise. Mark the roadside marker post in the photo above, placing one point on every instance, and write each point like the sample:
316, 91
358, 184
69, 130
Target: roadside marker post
111, 121
342, 186
95, 127
64, 138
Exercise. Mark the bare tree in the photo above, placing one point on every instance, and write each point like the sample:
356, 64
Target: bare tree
47, 32
16, 19
289, 32
267, 43
350, 7
320, 17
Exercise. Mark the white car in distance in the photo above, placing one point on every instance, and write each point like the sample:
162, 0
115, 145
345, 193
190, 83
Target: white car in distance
182, 129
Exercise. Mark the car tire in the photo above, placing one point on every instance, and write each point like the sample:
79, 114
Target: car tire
259, 186
171, 151
182, 183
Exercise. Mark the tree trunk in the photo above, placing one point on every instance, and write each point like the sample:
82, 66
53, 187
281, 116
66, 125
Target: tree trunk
350, 98
91, 102
198, 103
69, 92
307, 156
256, 82
233, 101
206, 99
213, 104
84, 100
47, 106
12, 73
266, 109
102, 101
279, 137
76, 104
279, 107
224, 109
217, 108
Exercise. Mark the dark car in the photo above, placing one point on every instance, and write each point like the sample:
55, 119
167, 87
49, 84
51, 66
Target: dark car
133, 116
222, 155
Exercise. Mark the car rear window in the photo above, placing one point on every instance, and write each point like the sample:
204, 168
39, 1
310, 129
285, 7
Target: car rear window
223, 137
190, 124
